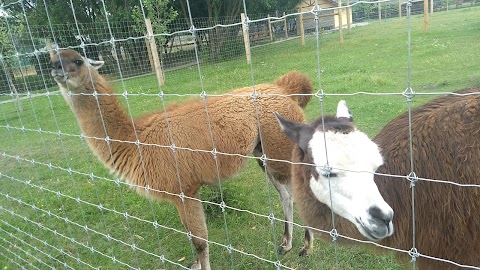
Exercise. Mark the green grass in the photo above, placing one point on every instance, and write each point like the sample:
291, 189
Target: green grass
371, 59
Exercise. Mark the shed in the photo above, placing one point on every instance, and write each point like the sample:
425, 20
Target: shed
328, 18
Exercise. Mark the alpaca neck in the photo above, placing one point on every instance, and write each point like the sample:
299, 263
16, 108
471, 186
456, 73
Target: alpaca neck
101, 116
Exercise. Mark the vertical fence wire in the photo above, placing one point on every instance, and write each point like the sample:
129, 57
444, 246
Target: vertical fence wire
27, 141
106, 138
264, 157
83, 142
212, 139
161, 94
146, 176
409, 94
321, 95
60, 137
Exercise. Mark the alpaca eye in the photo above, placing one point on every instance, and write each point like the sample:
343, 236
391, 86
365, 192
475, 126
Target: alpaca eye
78, 62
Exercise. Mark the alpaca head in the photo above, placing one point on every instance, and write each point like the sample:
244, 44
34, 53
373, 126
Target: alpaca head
344, 159
70, 70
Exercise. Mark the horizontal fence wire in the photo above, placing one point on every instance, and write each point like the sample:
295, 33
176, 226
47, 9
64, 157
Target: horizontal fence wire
39, 191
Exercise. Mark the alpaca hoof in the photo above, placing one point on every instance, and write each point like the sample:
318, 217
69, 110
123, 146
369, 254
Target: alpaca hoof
304, 253
282, 250
195, 266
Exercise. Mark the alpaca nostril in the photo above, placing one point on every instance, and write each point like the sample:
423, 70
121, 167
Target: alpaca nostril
377, 213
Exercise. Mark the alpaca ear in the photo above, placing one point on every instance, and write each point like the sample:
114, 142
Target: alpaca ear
95, 63
343, 111
299, 133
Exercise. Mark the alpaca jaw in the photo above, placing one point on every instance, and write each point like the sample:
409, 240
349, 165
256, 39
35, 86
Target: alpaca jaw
59, 76
373, 231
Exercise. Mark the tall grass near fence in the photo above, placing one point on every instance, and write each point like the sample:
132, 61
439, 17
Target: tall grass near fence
60, 208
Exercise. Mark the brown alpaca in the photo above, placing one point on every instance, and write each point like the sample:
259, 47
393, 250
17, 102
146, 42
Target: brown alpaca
446, 146
234, 127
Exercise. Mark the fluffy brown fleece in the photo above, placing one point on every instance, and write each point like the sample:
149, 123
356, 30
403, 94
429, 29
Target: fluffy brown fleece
233, 125
446, 146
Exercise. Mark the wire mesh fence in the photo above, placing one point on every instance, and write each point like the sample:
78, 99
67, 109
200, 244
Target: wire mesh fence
62, 209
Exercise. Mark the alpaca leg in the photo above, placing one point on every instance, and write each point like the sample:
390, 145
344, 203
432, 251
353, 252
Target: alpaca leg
307, 248
287, 204
193, 219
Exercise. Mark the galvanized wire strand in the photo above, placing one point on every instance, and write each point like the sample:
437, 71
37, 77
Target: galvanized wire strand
178, 231
18, 257
173, 147
23, 125
321, 94
84, 145
264, 157
65, 156
64, 264
214, 148
108, 237
409, 94
15, 254
101, 117
89, 175
324, 94
146, 177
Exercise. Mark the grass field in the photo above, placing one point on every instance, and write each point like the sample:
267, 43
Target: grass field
44, 209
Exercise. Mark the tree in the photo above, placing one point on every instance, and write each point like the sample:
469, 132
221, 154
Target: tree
158, 11
226, 12
7, 62
69, 23
88, 12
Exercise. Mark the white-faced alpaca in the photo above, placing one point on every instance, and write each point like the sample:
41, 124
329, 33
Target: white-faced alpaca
343, 159
446, 146
234, 127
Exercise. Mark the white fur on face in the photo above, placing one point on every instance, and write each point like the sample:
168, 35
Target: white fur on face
353, 157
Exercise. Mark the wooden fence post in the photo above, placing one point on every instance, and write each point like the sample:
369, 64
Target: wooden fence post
270, 28
380, 11
349, 12
302, 29
340, 21
50, 49
285, 25
153, 47
149, 52
425, 15
245, 37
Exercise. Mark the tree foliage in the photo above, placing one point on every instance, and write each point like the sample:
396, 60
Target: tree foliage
64, 12
159, 12
231, 8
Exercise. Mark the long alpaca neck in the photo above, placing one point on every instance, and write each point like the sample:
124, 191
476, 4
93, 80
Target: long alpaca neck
101, 117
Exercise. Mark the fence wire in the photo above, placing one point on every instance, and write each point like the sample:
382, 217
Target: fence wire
60, 207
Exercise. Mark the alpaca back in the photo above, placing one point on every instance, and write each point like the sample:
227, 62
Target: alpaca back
446, 146
232, 121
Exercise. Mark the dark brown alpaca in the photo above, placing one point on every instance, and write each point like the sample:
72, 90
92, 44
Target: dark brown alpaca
234, 126
446, 146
